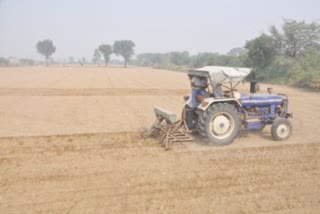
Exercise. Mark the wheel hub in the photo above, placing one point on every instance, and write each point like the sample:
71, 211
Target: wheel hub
283, 130
220, 125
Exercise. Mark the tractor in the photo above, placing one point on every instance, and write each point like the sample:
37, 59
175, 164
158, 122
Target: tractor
220, 118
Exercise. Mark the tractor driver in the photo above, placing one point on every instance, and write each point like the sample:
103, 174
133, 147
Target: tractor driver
199, 85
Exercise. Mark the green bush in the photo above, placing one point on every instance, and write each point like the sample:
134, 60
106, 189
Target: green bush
4, 61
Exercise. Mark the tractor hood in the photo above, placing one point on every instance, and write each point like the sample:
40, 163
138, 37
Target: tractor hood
219, 74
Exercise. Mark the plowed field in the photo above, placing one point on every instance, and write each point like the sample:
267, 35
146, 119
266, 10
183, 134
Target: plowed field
70, 143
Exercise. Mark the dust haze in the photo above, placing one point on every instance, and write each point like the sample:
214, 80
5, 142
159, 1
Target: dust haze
78, 83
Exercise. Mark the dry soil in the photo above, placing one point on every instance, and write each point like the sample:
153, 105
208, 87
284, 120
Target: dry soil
70, 143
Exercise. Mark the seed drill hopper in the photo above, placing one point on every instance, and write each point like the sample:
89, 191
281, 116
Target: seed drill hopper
168, 128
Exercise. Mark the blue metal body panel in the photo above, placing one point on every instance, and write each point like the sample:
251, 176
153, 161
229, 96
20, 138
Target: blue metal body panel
260, 100
253, 125
266, 108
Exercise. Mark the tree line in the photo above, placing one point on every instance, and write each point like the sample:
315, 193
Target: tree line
286, 55
124, 48
236, 57
289, 54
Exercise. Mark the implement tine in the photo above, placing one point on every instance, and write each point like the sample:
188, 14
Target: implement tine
155, 127
173, 130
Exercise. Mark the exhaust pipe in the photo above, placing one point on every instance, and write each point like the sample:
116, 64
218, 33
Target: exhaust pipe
253, 83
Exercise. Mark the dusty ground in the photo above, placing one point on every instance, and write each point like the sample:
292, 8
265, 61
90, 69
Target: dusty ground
70, 144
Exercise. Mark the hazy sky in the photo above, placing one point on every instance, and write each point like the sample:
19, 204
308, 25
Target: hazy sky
77, 27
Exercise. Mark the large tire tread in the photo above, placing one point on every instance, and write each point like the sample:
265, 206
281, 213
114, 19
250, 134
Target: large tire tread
206, 118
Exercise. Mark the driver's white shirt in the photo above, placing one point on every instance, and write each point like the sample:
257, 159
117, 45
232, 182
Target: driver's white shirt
199, 82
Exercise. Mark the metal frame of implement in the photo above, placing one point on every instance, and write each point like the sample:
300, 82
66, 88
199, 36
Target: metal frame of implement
172, 131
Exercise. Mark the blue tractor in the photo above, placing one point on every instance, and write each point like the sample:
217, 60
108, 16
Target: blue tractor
219, 118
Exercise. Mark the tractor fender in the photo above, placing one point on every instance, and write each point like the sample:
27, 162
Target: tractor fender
210, 101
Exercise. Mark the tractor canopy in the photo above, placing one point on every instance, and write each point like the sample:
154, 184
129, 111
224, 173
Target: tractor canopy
219, 74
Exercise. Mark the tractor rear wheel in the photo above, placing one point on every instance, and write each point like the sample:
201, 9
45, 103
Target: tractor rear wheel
281, 129
220, 123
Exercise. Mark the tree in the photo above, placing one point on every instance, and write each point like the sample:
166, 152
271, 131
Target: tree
180, 58
203, 59
296, 37
290, 54
46, 48
96, 56
149, 59
4, 61
235, 51
71, 59
82, 61
125, 49
25, 61
106, 51
261, 51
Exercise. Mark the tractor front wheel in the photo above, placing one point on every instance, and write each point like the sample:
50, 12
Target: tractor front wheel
220, 123
281, 129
